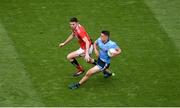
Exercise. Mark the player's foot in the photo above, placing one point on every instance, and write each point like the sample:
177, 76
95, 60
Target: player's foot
107, 74
74, 86
79, 72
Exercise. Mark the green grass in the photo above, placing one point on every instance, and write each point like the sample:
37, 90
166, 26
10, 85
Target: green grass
147, 71
167, 14
16, 88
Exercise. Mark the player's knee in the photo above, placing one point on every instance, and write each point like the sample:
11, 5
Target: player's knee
88, 74
69, 57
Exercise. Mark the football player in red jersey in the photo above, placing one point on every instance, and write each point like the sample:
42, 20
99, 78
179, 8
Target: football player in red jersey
86, 45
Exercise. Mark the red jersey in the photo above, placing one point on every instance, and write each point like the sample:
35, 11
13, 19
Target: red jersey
80, 33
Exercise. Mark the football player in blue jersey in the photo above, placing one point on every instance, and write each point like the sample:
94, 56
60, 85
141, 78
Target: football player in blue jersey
103, 43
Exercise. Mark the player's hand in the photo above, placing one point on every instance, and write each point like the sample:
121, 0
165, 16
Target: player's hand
61, 44
87, 57
115, 53
118, 51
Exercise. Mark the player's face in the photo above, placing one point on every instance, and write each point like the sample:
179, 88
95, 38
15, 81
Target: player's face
73, 25
104, 38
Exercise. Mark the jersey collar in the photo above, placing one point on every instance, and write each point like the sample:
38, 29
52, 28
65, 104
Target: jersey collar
106, 41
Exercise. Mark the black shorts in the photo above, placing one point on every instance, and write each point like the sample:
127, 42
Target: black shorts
102, 65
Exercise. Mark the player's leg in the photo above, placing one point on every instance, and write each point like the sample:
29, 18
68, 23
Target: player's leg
107, 73
89, 73
72, 58
104, 68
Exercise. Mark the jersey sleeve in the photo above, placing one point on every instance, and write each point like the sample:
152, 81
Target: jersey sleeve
114, 45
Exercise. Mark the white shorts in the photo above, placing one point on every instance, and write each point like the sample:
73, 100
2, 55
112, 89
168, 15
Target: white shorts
81, 52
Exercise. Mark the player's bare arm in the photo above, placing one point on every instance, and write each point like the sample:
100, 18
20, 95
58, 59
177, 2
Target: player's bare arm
87, 57
96, 49
118, 51
67, 40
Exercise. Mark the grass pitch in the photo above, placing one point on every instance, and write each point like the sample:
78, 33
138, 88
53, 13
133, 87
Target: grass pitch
35, 72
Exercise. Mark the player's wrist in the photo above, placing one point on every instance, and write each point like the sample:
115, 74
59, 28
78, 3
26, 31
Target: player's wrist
87, 55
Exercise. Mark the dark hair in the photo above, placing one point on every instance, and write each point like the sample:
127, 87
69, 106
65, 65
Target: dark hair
73, 19
107, 33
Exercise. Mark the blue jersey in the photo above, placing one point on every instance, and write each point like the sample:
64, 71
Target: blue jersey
104, 47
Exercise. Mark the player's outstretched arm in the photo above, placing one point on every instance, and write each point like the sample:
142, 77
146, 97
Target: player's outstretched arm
67, 40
